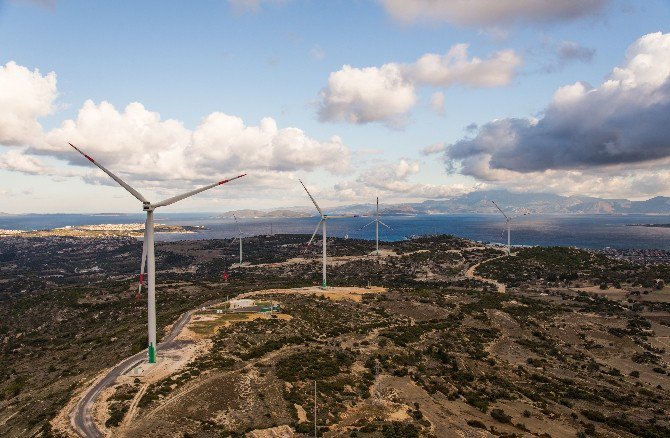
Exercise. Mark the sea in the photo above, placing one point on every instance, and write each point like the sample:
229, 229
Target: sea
584, 231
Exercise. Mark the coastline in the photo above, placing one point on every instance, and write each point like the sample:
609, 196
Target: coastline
101, 231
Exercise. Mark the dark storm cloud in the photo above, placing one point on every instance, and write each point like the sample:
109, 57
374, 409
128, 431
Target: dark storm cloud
625, 120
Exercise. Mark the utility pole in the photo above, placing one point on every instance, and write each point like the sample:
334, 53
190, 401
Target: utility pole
323, 286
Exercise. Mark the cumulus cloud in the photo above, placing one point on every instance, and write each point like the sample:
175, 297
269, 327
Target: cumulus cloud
457, 68
17, 161
224, 140
632, 182
147, 150
622, 121
363, 95
434, 148
387, 93
390, 177
137, 142
490, 13
25, 96
393, 180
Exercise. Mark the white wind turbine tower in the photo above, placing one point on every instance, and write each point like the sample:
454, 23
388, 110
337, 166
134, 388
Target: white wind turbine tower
376, 221
148, 254
239, 236
322, 222
508, 221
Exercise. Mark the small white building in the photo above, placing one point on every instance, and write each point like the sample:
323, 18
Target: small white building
239, 304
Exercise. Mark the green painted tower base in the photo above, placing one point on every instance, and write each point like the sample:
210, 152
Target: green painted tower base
152, 353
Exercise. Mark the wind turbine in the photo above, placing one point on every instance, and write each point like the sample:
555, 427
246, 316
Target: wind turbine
239, 236
148, 255
322, 222
376, 221
508, 221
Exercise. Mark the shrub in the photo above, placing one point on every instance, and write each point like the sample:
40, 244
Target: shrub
400, 430
476, 423
501, 416
311, 365
304, 427
479, 403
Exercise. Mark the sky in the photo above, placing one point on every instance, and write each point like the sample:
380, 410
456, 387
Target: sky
406, 100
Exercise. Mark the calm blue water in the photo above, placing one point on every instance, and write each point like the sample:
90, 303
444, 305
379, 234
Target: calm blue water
586, 231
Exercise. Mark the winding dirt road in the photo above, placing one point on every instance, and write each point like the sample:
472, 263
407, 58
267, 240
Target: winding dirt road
82, 417
470, 273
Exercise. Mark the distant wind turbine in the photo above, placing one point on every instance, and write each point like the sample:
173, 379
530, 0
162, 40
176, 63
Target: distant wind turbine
508, 221
148, 255
322, 222
239, 236
376, 221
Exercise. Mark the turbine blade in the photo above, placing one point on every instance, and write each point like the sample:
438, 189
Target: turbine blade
385, 225
122, 183
312, 198
342, 216
314, 234
194, 192
239, 231
377, 206
494, 203
369, 223
144, 261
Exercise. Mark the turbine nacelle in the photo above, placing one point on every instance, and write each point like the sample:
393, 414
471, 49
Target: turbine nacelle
148, 258
377, 220
508, 221
322, 223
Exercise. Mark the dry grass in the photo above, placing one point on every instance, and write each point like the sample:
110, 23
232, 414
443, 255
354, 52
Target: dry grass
207, 325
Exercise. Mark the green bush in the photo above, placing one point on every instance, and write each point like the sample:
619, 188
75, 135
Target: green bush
312, 365
476, 423
400, 430
501, 416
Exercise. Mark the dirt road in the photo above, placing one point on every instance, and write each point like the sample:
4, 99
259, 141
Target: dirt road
470, 273
82, 417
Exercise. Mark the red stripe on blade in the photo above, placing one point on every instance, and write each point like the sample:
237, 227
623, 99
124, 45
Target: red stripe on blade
228, 180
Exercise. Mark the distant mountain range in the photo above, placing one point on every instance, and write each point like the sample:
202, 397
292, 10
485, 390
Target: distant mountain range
480, 203
537, 203
250, 214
